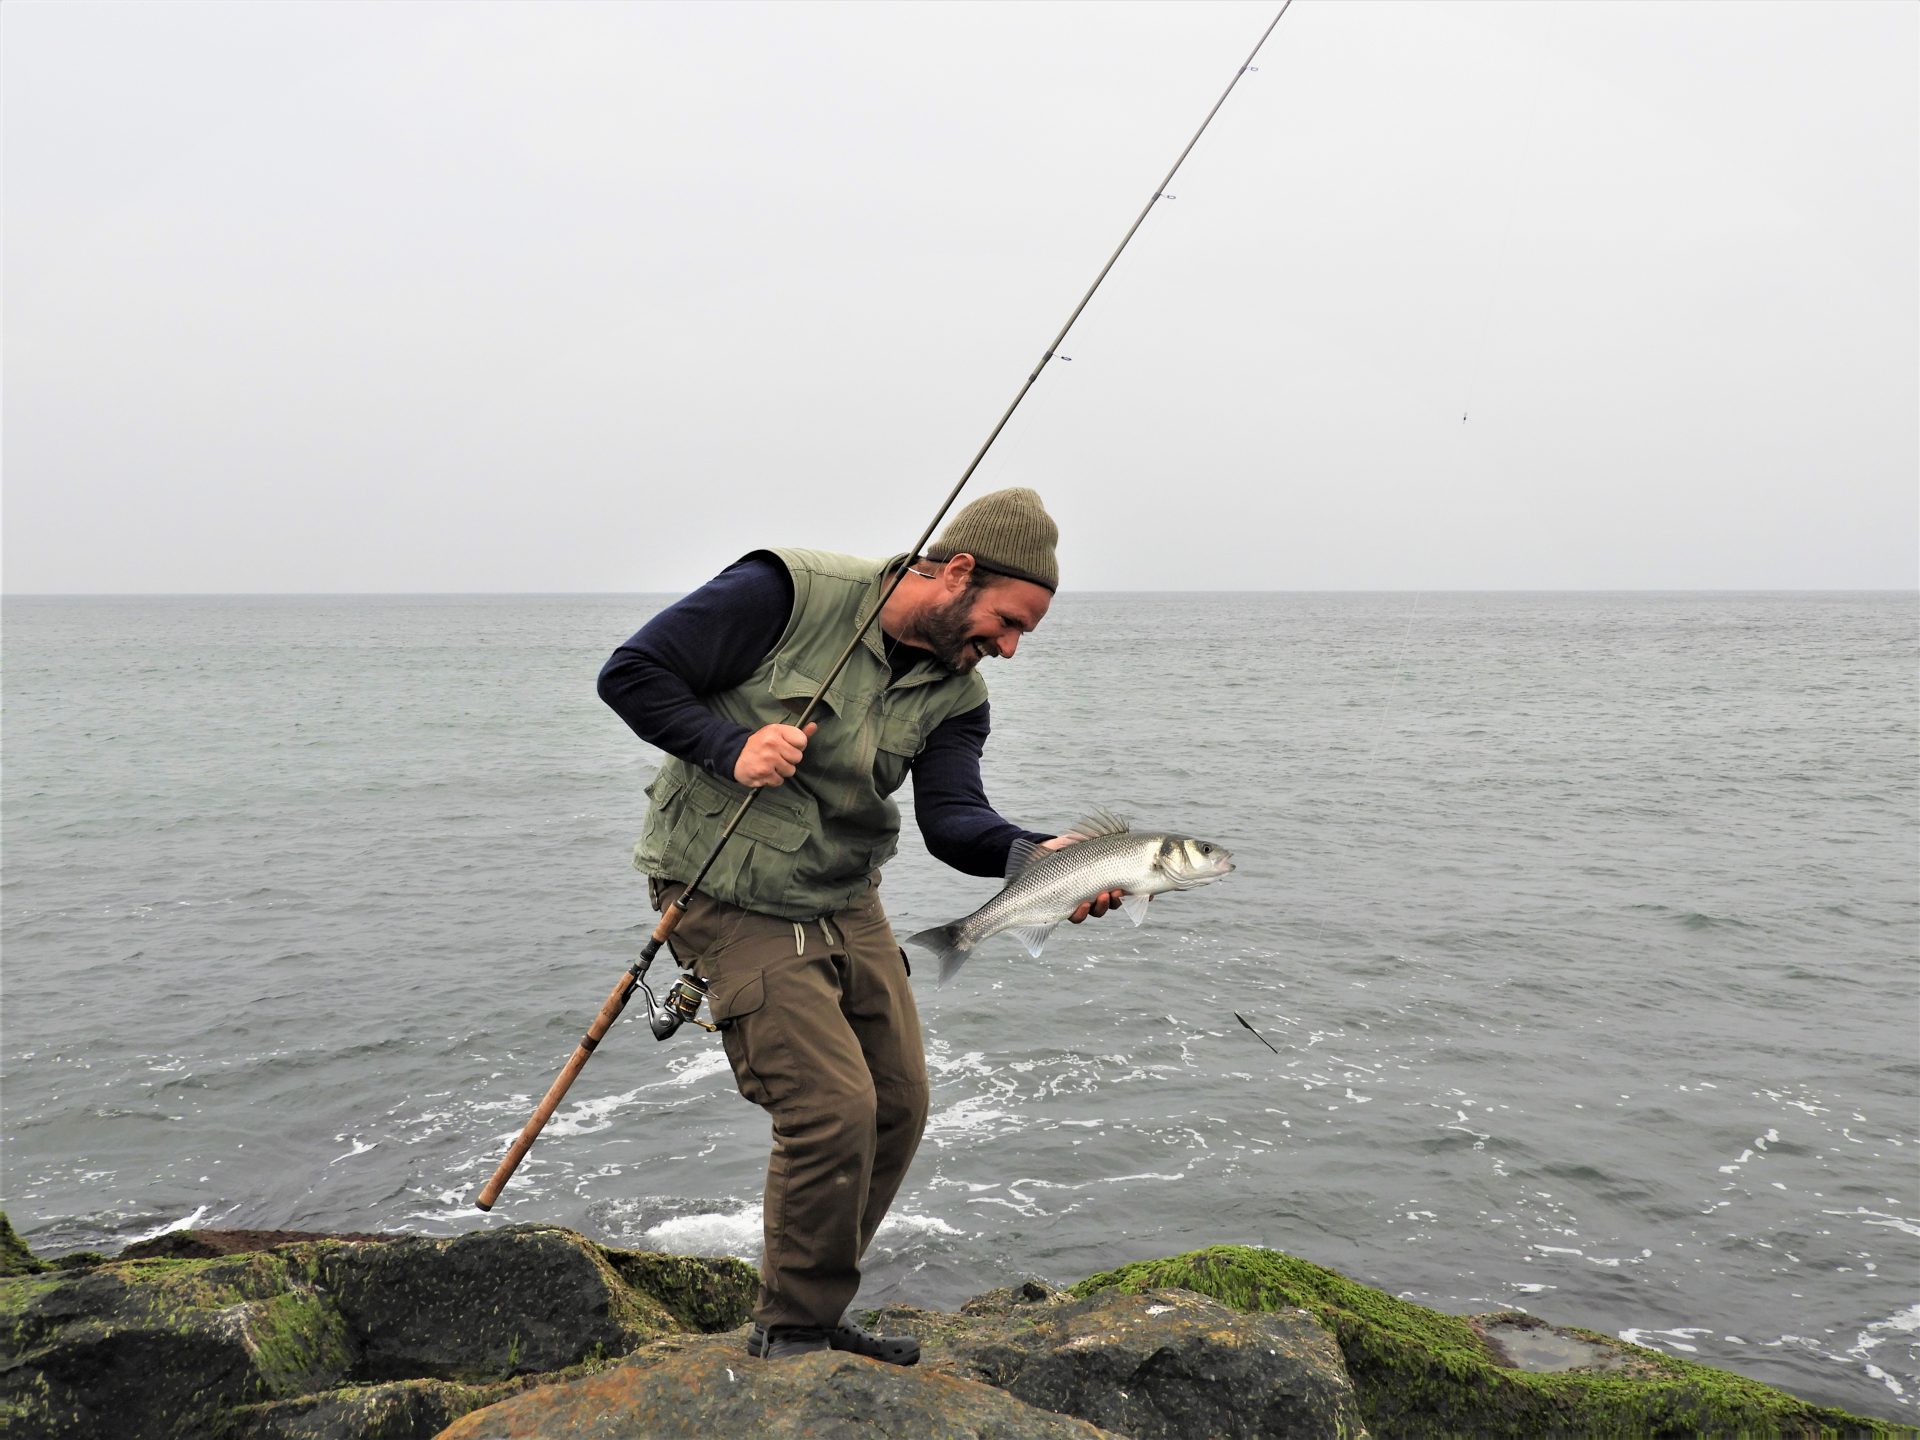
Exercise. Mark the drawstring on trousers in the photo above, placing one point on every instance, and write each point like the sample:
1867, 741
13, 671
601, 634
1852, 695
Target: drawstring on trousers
800, 935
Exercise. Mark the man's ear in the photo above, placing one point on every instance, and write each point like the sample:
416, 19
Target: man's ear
959, 570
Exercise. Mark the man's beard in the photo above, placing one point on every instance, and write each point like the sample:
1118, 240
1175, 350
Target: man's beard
945, 632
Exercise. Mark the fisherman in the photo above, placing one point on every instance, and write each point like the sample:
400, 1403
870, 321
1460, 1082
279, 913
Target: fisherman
807, 982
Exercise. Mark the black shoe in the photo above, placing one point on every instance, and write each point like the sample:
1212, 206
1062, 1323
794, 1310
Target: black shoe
893, 1349
784, 1340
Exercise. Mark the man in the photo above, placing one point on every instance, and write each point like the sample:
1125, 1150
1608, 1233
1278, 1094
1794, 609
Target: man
808, 984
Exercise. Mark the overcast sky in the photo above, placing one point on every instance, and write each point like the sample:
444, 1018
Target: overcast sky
554, 297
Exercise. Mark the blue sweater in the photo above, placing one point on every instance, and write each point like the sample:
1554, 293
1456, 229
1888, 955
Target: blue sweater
716, 638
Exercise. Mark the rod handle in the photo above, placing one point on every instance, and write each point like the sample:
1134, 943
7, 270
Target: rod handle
664, 927
609, 1012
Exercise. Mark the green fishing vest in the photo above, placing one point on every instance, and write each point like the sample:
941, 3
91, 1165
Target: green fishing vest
807, 847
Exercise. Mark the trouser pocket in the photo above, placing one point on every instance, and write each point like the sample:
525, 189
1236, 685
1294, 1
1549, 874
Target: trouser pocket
733, 1002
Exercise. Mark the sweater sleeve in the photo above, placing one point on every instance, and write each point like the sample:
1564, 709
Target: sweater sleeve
960, 826
708, 642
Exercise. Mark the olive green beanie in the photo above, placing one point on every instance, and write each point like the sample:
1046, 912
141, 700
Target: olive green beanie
1008, 532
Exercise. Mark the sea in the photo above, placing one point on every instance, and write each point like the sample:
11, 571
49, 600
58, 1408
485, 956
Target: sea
1571, 964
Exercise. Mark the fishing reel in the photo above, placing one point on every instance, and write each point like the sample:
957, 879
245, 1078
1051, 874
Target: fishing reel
680, 1004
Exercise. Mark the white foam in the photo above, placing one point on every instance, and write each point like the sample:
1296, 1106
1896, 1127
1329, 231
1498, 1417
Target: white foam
183, 1224
695, 1068
738, 1232
1875, 1217
735, 1232
1666, 1339
968, 1116
895, 1226
590, 1116
359, 1148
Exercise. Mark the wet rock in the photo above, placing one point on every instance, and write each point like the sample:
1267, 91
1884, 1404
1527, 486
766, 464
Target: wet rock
283, 1342
1526, 1342
1168, 1365
15, 1257
211, 1244
526, 1327
490, 1304
398, 1410
1420, 1373
155, 1348
711, 1389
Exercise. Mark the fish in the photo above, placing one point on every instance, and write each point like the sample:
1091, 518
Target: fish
1044, 887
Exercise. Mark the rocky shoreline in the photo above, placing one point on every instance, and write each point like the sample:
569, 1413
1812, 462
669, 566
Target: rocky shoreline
529, 1330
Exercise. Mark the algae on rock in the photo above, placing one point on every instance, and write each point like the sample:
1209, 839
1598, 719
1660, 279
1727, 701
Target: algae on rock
295, 1340
1421, 1373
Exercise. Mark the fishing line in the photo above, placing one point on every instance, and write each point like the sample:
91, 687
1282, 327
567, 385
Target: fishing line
683, 999
1366, 769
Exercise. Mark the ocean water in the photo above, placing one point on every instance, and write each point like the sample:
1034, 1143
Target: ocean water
1585, 927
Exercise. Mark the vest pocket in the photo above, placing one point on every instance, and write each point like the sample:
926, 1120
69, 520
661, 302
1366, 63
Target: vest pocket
901, 738
902, 734
772, 821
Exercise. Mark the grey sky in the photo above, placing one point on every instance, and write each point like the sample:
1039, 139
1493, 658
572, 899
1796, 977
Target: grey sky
507, 296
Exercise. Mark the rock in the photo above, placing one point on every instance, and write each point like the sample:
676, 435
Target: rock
15, 1257
1420, 1373
1161, 1366
209, 1244
285, 1341
712, 1389
150, 1348
520, 1330
490, 1304
397, 1410
1169, 1365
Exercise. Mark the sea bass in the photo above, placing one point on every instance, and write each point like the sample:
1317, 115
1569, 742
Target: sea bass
1047, 885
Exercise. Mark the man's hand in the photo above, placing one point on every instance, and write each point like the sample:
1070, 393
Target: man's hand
1100, 903
771, 754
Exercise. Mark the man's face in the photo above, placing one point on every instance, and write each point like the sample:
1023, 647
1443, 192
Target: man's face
984, 619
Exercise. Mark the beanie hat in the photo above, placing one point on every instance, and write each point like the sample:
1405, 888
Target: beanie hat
1007, 532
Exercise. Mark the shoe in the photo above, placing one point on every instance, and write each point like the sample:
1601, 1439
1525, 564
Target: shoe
893, 1349
784, 1340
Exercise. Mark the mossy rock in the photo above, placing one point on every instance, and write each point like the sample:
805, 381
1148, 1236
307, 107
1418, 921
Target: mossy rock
296, 1340
153, 1348
701, 1293
15, 1257
1421, 1373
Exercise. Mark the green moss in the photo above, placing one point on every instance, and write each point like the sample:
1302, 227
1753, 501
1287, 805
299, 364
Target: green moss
17, 1322
298, 1342
18, 1292
78, 1260
706, 1295
15, 1257
1418, 1372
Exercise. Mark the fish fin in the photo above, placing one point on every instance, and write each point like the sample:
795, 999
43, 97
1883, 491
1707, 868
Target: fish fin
944, 942
1099, 822
1034, 937
1022, 853
1136, 907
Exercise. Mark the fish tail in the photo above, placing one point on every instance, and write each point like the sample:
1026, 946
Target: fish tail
946, 943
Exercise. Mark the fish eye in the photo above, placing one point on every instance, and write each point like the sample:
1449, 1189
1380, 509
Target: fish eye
1206, 849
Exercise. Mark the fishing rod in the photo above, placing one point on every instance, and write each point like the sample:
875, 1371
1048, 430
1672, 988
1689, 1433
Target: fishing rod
682, 1001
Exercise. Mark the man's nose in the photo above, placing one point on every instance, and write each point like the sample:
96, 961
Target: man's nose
1008, 644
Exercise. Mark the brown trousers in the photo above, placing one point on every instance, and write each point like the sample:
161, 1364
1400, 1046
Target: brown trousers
822, 1033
